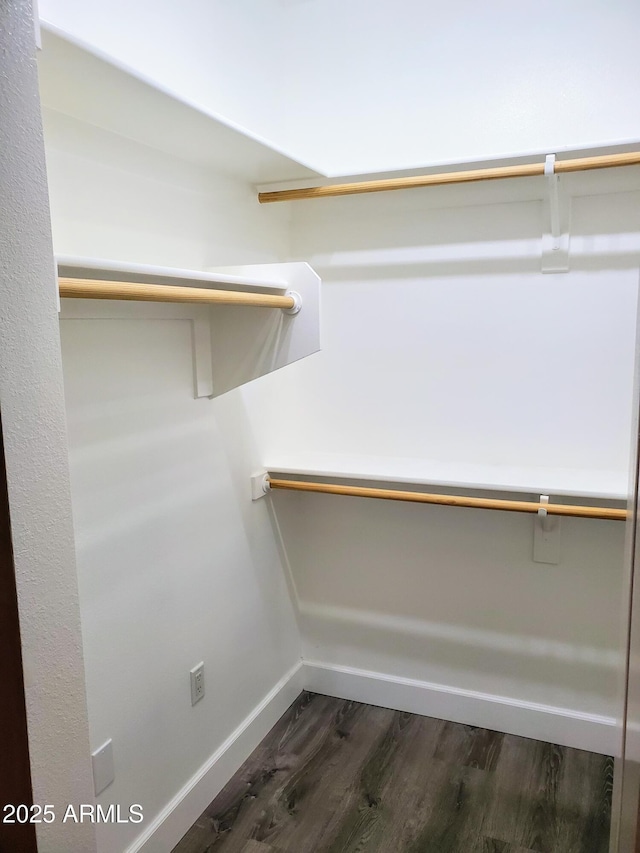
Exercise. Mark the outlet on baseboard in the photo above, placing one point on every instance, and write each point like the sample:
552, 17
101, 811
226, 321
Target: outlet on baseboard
197, 683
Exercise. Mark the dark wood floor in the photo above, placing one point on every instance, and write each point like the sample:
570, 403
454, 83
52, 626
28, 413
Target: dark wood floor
340, 777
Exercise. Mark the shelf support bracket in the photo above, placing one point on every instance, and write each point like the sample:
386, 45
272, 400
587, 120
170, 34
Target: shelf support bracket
260, 485
546, 535
555, 241
202, 355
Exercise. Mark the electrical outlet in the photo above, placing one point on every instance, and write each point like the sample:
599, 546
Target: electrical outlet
197, 683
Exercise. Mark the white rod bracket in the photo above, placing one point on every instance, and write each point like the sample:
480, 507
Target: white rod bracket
260, 485
297, 303
555, 242
546, 535
554, 199
543, 515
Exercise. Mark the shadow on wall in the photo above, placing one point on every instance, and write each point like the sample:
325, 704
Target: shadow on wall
453, 597
498, 265
496, 657
497, 232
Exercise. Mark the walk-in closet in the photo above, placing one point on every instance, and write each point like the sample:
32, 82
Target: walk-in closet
321, 428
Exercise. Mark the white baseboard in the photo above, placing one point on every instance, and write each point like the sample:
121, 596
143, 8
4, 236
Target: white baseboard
563, 726
164, 832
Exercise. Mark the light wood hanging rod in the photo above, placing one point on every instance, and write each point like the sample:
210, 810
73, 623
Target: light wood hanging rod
608, 513
581, 164
81, 288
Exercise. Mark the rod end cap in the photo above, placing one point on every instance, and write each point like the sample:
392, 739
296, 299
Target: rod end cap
297, 302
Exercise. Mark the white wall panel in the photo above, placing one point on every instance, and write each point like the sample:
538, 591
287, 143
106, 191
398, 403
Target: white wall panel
445, 345
174, 566
175, 563
443, 341
452, 597
112, 198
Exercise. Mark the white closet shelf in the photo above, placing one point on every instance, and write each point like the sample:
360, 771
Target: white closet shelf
99, 268
232, 343
560, 482
77, 81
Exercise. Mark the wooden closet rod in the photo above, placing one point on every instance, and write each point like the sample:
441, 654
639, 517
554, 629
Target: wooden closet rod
608, 513
80, 288
581, 164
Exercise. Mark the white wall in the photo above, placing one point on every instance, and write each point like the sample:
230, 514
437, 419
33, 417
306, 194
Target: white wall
114, 199
443, 344
175, 563
443, 340
453, 598
35, 447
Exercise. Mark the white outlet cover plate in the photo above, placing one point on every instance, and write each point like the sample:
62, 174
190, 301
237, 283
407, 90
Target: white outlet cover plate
103, 771
197, 681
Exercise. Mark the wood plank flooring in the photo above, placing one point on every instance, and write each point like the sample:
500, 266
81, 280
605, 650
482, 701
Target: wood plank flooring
335, 776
